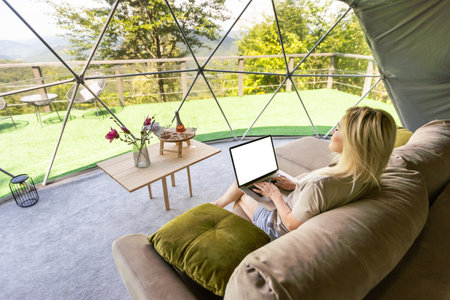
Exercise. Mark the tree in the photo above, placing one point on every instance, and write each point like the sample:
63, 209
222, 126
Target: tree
141, 29
263, 39
302, 23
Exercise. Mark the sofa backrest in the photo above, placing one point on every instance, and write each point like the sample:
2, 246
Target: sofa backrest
428, 152
342, 253
303, 155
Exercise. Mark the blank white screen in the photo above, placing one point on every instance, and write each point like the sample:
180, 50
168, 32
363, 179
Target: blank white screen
253, 160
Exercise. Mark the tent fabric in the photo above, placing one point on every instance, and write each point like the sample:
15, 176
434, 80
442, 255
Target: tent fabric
410, 42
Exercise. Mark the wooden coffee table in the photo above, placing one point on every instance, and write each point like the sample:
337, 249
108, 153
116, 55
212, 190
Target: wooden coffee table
121, 168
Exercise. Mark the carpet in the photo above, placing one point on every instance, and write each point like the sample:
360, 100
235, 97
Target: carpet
60, 248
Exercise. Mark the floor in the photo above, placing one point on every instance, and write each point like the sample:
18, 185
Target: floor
60, 248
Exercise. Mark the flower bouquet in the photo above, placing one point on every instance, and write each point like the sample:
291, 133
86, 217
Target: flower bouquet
140, 152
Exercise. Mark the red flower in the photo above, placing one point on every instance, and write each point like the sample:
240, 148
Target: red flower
124, 129
112, 135
148, 121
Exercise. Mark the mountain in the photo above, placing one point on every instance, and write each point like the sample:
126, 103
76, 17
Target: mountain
32, 50
227, 48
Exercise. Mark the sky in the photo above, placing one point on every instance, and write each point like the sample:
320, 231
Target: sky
38, 15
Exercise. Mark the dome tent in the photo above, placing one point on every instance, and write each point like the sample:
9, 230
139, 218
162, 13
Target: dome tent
410, 42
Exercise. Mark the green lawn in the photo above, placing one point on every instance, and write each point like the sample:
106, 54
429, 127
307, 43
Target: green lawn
29, 147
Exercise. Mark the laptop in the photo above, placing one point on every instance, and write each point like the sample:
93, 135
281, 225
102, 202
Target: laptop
255, 161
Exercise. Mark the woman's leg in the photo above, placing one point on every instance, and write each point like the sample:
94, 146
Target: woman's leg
233, 194
248, 205
263, 218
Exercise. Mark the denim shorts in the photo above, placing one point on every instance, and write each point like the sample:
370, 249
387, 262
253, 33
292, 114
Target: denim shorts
263, 218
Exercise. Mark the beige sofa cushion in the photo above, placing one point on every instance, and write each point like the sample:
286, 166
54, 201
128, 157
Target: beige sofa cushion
424, 272
428, 152
144, 272
291, 156
342, 253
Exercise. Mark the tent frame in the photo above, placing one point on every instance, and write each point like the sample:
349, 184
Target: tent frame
79, 79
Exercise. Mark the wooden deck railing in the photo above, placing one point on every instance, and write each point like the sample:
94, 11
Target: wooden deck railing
329, 77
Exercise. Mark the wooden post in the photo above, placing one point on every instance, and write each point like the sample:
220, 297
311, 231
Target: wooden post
291, 67
368, 80
184, 85
119, 85
241, 77
331, 71
40, 81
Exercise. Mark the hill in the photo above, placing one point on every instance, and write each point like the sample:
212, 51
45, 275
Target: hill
33, 50
228, 47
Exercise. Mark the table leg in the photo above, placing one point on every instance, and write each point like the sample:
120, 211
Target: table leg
150, 191
166, 194
161, 148
180, 148
189, 180
38, 114
172, 178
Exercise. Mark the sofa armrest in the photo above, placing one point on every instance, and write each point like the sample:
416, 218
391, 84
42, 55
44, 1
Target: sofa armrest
423, 273
145, 274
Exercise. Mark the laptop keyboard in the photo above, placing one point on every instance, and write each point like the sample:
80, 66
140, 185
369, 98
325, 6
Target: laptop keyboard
253, 186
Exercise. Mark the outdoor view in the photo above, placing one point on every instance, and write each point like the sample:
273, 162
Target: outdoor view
144, 38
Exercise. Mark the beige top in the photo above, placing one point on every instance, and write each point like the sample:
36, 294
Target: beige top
315, 194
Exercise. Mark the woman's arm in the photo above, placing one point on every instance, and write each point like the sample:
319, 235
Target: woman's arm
284, 211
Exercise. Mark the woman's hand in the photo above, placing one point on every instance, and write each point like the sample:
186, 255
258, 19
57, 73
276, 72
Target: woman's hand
271, 191
267, 189
284, 183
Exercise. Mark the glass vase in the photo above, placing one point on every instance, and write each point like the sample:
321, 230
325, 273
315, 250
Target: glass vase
141, 156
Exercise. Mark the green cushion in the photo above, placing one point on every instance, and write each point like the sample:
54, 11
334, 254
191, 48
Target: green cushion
207, 243
403, 136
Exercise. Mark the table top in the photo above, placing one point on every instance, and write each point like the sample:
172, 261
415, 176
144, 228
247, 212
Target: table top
171, 135
38, 98
121, 168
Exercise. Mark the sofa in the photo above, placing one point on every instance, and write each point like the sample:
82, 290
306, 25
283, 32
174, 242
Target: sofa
393, 243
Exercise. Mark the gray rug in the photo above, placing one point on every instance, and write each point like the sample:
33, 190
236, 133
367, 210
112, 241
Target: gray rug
60, 248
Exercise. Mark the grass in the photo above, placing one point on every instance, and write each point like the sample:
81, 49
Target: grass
29, 147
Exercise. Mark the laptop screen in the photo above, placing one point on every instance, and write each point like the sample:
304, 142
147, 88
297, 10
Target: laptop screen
253, 160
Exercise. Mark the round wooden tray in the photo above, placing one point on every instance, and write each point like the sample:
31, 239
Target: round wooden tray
170, 135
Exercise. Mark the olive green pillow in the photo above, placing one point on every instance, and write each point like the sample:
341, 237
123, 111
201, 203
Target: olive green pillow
403, 136
207, 243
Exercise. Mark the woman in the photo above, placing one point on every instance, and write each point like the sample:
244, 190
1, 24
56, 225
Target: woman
363, 140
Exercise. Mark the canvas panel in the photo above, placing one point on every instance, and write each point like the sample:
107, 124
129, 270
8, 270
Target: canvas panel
409, 42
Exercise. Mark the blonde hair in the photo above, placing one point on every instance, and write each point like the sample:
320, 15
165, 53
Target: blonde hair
368, 137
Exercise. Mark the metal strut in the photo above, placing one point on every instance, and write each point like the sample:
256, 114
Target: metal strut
80, 79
